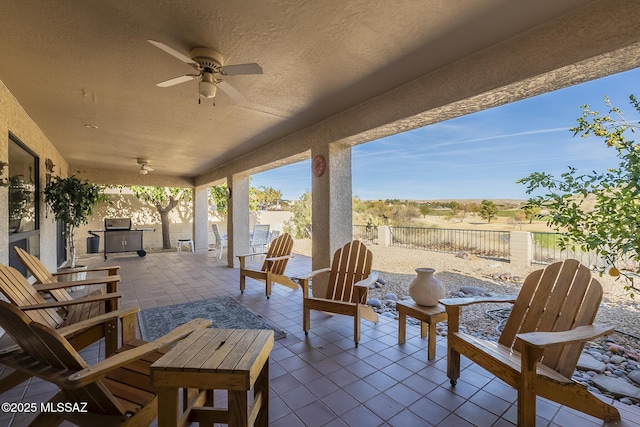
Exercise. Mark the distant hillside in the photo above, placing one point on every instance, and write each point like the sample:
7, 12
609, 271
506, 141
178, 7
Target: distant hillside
515, 203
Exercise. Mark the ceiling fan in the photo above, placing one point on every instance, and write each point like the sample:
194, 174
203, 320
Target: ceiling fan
210, 68
144, 166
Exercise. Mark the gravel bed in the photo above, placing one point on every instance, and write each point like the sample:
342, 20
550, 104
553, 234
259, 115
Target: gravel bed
397, 267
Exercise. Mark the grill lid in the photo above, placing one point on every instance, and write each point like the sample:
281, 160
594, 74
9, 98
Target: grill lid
117, 224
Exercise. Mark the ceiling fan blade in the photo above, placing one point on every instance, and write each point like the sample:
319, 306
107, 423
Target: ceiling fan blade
234, 70
231, 91
182, 57
178, 80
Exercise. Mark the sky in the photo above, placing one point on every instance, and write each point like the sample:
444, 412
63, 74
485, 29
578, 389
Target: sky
480, 155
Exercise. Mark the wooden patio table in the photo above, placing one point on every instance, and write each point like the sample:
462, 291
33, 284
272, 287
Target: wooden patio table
427, 316
215, 359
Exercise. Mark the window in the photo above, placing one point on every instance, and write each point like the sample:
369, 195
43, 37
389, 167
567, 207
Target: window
23, 201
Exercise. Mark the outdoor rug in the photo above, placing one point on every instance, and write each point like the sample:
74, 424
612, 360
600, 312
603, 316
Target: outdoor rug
224, 312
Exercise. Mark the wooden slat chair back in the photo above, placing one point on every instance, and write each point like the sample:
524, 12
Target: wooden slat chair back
279, 250
41, 273
538, 350
21, 293
347, 288
117, 390
25, 296
560, 297
351, 264
43, 276
47, 281
273, 267
48, 348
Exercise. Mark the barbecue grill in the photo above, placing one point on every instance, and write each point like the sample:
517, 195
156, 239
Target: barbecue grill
120, 237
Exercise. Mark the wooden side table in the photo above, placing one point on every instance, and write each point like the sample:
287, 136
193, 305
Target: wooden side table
215, 359
428, 317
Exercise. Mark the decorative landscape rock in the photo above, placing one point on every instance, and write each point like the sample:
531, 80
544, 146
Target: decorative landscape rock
615, 386
472, 290
589, 363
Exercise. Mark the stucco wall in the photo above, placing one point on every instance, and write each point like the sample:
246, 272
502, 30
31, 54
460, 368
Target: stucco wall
146, 216
13, 119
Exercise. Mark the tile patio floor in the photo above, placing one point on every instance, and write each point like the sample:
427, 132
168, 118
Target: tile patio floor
323, 380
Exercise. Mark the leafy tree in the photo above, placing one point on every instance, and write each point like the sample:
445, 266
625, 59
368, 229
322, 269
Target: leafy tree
300, 224
425, 209
488, 210
164, 199
599, 211
219, 197
267, 197
531, 210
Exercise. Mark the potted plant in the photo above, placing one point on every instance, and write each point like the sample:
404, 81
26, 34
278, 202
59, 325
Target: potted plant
72, 201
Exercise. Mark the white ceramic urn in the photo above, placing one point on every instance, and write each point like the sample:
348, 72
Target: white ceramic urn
426, 289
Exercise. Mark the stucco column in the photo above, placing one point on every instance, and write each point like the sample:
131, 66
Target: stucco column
238, 218
521, 247
331, 205
201, 218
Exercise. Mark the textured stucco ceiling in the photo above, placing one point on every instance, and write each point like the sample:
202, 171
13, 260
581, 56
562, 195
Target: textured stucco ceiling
71, 64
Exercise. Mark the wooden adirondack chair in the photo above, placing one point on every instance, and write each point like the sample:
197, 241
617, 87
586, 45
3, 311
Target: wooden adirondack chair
538, 350
347, 289
273, 266
23, 295
116, 390
44, 278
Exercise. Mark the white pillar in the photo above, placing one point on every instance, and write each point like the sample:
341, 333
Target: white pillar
201, 218
521, 247
238, 218
384, 235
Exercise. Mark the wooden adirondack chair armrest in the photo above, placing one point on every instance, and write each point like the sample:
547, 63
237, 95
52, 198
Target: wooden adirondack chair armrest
112, 270
362, 287
309, 276
454, 307
96, 320
100, 369
74, 329
580, 334
461, 302
279, 258
81, 300
87, 282
252, 254
304, 280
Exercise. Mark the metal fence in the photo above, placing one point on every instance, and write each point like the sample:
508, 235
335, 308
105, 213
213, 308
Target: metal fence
485, 243
366, 233
546, 249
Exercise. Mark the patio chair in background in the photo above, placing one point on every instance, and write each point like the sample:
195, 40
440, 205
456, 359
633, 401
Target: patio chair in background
259, 238
347, 290
273, 266
116, 390
23, 295
221, 242
538, 350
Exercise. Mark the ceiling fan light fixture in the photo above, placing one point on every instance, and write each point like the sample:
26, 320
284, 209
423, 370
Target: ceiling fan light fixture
207, 88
